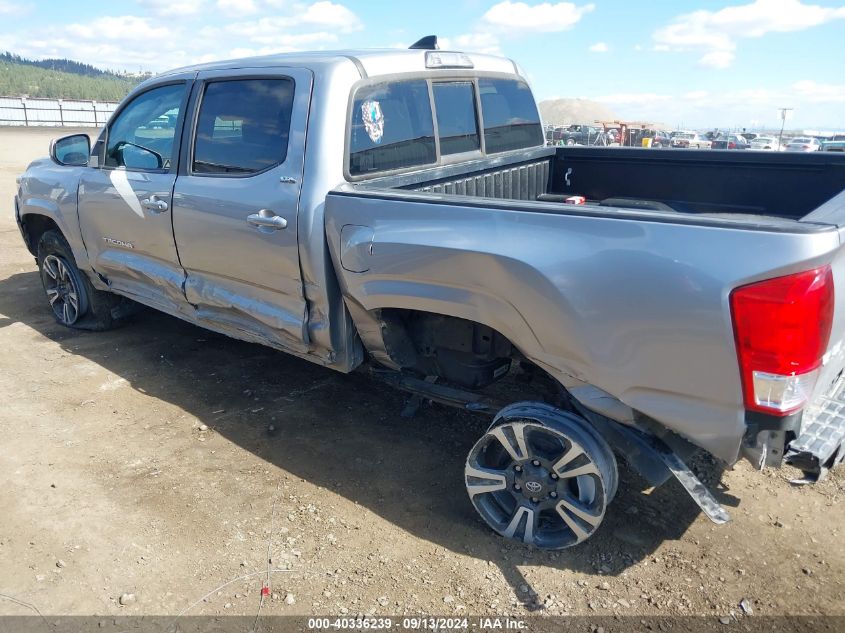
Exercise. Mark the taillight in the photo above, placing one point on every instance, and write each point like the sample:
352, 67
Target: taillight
731, 145
782, 329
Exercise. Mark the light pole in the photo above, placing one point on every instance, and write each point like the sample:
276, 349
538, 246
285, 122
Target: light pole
783, 112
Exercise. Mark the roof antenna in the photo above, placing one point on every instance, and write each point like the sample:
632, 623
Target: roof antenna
427, 43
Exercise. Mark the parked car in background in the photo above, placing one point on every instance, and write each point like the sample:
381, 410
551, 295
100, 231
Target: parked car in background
750, 136
768, 143
729, 141
661, 138
580, 135
834, 146
690, 140
803, 144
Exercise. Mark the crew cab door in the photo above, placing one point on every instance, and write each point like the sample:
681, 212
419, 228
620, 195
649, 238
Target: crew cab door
125, 199
236, 200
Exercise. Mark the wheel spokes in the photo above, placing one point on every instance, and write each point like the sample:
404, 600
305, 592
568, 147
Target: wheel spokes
50, 268
516, 521
565, 507
66, 312
52, 295
586, 469
572, 453
63, 272
480, 481
513, 442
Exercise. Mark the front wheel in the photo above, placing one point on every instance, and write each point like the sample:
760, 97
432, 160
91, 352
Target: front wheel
542, 476
74, 301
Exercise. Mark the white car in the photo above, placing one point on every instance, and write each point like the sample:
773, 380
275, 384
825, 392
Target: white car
767, 143
691, 140
803, 144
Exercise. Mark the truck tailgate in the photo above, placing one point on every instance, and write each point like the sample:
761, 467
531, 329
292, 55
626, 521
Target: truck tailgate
820, 444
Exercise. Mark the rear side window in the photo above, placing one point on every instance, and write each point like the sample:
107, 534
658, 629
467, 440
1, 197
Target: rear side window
392, 128
457, 123
243, 126
511, 120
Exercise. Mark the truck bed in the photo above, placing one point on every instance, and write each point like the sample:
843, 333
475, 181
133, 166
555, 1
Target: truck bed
761, 186
625, 300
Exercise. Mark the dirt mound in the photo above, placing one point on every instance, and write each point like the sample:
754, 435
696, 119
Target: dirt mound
568, 111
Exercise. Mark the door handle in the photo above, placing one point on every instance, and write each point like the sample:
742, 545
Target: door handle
268, 220
154, 204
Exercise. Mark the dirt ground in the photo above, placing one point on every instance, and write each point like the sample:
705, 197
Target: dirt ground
141, 461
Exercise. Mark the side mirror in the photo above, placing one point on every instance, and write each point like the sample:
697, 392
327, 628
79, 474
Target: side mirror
71, 150
135, 156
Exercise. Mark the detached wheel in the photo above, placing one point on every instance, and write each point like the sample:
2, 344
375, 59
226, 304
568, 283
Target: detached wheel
542, 476
74, 301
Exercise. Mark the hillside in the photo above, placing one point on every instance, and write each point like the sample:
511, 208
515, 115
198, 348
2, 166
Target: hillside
22, 77
568, 111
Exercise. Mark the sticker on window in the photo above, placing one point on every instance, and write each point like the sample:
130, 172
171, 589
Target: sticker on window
373, 119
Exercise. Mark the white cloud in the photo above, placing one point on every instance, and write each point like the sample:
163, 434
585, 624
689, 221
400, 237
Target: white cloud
546, 17
717, 59
326, 14
714, 34
237, 7
599, 47
814, 103
123, 28
819, 93
13, 8
169, 8
472, 42
270, 30
148, 42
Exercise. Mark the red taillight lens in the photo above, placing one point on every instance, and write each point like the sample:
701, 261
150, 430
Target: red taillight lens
782, 328
731, 145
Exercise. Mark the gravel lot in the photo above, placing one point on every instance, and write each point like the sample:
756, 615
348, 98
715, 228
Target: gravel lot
139, 474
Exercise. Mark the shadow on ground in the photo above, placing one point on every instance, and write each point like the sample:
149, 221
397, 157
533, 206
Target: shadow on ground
344, 432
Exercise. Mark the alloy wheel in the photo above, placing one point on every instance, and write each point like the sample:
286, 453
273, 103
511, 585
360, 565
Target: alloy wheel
62, 289
542, 485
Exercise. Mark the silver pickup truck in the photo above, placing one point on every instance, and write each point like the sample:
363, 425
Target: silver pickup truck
399, 208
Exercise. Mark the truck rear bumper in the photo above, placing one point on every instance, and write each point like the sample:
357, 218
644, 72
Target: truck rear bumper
821, 444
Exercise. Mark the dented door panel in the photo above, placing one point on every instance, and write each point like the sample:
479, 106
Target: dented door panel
237, 233
128, 244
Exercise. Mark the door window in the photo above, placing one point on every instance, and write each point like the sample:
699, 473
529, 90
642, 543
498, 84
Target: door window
243, 126
143, 134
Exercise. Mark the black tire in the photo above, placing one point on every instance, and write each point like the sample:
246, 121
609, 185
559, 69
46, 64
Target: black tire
570, 141
74, 301
541, 475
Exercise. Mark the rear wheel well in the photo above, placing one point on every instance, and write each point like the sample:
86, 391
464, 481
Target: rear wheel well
34, 226
466, 353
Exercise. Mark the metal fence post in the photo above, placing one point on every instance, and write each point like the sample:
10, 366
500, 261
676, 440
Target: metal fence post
25, 118
94, 106
61, 115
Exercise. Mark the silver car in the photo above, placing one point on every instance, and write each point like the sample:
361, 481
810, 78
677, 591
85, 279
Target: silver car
803, 144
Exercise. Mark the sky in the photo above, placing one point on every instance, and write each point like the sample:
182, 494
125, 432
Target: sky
685, 63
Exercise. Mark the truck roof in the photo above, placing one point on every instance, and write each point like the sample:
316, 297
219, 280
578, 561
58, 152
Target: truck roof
372, 62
